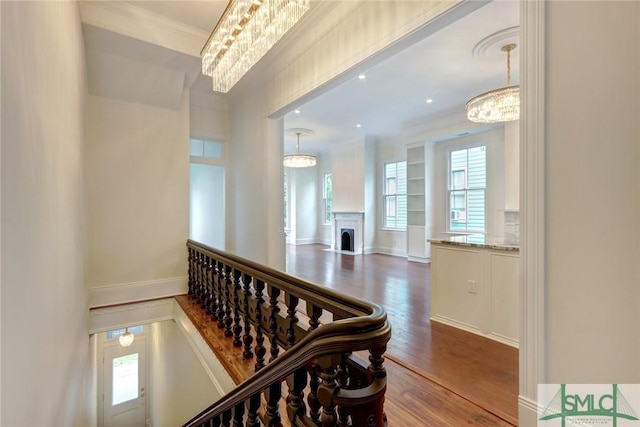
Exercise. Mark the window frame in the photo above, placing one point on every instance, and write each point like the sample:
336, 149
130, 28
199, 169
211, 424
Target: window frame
395, 196
466, 189
202, 157
327, 202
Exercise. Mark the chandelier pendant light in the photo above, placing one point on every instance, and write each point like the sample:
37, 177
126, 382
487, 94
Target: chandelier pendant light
299, 160
499, 105
126, 339
244, 34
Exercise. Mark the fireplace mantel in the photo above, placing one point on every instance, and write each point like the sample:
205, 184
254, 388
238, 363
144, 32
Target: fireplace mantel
348, 220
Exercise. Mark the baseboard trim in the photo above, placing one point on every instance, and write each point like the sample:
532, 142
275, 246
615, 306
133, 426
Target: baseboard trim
390, 251
306, 241
421, 260
527, 412
218, 375
474, 330
137, 291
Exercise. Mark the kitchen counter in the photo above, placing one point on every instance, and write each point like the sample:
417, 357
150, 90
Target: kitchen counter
477, 241
475, 285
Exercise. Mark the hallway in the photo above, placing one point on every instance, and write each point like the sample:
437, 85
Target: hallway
482, 371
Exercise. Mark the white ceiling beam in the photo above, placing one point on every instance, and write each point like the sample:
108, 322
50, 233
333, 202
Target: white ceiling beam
138, 23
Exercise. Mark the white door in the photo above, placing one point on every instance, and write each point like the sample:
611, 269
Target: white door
124, 385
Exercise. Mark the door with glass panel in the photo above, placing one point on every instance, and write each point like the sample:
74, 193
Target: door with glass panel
124, 385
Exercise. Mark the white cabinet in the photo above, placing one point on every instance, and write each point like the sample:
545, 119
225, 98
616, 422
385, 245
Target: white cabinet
476, 289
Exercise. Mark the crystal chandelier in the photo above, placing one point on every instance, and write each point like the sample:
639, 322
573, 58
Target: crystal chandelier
244, 33
499, 105
126, 339
299, 160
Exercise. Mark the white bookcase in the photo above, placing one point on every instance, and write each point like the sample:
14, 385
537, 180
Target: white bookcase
416, 204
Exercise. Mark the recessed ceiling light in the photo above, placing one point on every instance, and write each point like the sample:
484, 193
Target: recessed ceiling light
358, 125
296, 111
429, 101
362, 76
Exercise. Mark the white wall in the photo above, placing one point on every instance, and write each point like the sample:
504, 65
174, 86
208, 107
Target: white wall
371, 195
176, 394
592, 194
256, 183
208, 116
307, 188
347, 161
137, 175
46, 366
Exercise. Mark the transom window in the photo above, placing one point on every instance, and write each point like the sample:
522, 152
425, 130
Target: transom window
467, 189
206, 149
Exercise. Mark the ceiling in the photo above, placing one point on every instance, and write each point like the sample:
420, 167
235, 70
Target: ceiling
443, 67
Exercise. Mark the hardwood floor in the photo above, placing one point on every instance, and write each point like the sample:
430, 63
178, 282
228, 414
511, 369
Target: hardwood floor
434, 363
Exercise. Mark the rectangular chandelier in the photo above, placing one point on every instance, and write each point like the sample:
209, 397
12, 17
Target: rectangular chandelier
244, 34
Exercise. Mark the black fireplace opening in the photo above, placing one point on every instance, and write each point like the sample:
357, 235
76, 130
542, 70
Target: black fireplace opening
346, 239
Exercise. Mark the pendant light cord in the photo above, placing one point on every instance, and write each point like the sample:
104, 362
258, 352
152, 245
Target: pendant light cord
508, 48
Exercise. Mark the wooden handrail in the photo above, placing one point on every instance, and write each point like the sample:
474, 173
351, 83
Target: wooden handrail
241, 294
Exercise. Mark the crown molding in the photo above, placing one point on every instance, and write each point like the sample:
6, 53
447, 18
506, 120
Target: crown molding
124, 18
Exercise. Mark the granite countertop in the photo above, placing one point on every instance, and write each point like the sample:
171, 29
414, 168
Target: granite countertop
477, 241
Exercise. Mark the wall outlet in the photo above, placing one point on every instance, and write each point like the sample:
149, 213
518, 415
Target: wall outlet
471, 286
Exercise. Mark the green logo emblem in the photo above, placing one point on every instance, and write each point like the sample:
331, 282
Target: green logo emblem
588, 408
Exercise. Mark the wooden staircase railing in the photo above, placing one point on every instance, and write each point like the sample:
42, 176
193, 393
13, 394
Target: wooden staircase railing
314, 336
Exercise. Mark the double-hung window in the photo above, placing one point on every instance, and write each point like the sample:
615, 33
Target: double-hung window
395, 195
467, 188
327, 198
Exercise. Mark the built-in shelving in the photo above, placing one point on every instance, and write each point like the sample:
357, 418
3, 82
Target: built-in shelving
415, 186
416, 203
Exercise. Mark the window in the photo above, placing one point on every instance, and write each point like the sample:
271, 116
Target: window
125, 378
467, 187
327, 198
395, 195
207, 149
117, 332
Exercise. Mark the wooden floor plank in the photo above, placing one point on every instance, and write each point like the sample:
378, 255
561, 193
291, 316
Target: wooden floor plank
478, 370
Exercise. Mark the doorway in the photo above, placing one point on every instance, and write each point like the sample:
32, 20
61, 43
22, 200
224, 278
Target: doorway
207, 193
393, 150
124, 384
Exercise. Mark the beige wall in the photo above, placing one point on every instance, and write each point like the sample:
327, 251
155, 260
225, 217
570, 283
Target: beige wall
137, 175
348, 176
46, 366
592, 192
176, 394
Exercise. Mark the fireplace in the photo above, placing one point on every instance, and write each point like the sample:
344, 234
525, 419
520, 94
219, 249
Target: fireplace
348, 230
346, 239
